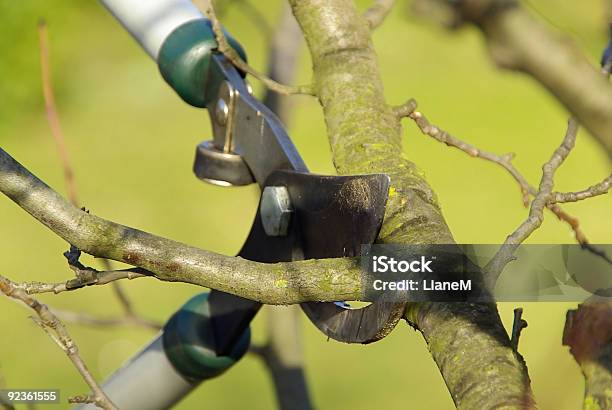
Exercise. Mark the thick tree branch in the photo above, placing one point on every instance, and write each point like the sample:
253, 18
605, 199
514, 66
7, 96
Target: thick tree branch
280, 283
365, 136
519, 42
58, 333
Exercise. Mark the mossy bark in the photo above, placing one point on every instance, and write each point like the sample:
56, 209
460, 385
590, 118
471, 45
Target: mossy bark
467, 341
168, 260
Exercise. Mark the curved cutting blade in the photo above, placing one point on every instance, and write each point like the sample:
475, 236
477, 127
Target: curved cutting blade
334, 217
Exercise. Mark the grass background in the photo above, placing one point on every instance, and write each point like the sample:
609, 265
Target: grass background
132, 141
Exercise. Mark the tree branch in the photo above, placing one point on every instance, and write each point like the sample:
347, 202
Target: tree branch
365, 137
518, 324
168, 260
519, 42
377, 12
505, 161
535, 218
51, 110
93, 278
58, 333
600, 188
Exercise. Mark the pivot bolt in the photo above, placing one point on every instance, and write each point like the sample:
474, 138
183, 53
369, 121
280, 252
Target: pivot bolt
275, 210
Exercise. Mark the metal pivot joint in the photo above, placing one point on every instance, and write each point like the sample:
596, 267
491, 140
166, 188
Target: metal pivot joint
300, 215
275, 210
216, 161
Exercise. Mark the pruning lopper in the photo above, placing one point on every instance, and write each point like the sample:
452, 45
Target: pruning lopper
300, 216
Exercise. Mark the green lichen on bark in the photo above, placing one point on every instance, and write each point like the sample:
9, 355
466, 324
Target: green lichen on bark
365, 137
364, 133
168, 260
474, 355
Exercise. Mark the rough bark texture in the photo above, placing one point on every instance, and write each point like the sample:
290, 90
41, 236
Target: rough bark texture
280, 283
365, 136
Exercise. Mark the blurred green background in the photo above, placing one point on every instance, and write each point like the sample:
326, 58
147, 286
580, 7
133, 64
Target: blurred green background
132, 141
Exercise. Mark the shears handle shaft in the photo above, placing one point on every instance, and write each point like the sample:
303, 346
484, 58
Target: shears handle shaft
179, 38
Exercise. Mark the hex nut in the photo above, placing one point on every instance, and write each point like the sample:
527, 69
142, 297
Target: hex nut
275, 210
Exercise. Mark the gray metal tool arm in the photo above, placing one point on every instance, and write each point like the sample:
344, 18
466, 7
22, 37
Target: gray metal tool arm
150, 22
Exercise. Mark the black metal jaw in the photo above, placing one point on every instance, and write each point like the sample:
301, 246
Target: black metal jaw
301, 215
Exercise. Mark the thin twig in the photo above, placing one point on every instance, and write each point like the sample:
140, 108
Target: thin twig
408, 109
546, 185
87, 278
52, 117
250, 11
535, 218
58, 333
404, 110
600, 188
377, 12
232, 55
518, 324
505, 161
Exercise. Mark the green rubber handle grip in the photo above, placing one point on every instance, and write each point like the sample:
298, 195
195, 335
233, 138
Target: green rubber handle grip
189, 342
184, 61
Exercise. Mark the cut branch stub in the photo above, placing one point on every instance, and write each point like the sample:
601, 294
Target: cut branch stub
588, 333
